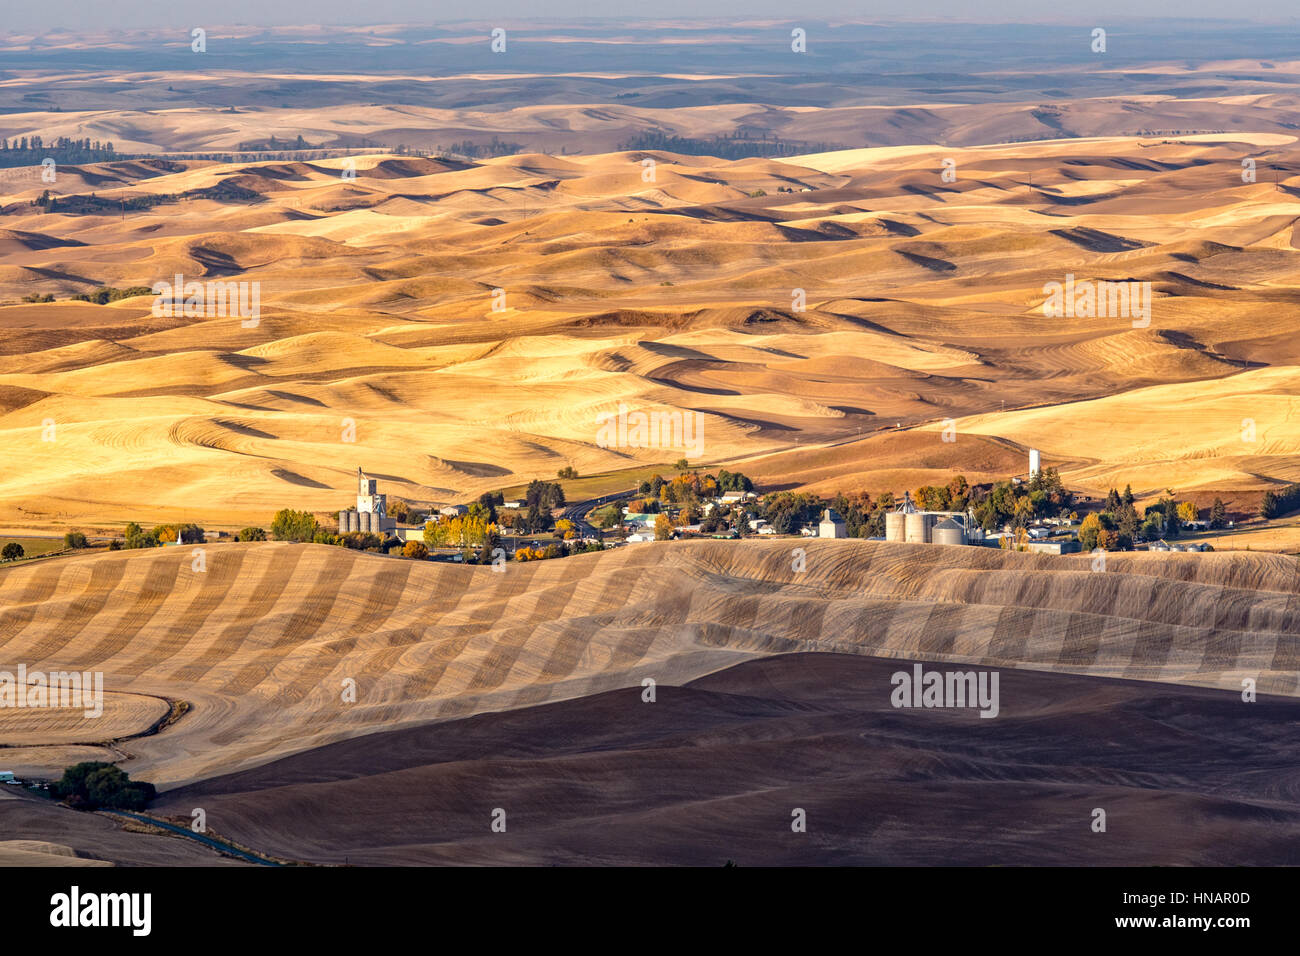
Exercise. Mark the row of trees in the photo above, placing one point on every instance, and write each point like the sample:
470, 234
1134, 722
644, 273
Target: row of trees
1277, 503
1118, 525
465, 531
33, 150
138, 537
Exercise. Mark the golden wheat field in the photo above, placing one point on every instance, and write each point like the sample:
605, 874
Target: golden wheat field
461, 326
264, 645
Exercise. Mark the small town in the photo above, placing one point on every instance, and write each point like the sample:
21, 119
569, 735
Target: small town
1030, 513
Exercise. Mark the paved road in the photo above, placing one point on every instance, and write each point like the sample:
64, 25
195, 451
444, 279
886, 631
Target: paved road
200, 837
574, 511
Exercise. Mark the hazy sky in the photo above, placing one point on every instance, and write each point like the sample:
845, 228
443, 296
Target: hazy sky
97, 14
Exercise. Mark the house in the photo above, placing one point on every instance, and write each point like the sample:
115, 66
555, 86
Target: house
1052, 547
735, 497
767, 529
1039, 532
832, 525
640, 537
454, 511
514, 505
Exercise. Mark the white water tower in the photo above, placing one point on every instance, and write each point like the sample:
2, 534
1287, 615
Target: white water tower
1035, 462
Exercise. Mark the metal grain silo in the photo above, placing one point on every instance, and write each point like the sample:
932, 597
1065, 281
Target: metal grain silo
948, 531
895, 526
919, 524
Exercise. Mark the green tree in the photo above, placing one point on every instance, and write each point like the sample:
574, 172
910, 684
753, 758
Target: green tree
289, 525
12, 551
137, 537
93, 784
74, 539
251, 534
1218, 514
607, 517
1268, 505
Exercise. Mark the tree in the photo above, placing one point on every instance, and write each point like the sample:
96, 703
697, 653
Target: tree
1089, 531
74, 539
1173, 524
607, 517
415, 549
1128, 495
1024, 512
566, 529
567, 472
251, 534
93, 784
663, 527
289, 525
1127, 521
1218, 514
137, 537
12, 551
464, 532
682, 465
1268, 506
1188, 511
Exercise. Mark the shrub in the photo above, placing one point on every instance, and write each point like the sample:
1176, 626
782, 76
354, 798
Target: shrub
415, 549
358, 541
251, 534
74, 539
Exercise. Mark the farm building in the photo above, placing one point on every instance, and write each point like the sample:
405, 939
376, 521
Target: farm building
371, 512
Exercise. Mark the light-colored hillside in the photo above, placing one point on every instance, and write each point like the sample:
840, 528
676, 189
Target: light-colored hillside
265, 643
462, 327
